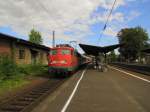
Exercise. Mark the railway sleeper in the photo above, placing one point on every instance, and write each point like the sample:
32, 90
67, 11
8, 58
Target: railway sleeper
32, 96
26, 99
12, 108
40, 91
36, 94
44, 89
20, 103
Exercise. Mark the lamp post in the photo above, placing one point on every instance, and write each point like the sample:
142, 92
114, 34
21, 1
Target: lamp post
53, 41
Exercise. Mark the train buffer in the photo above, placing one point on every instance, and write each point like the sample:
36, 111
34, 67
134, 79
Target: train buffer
116, 90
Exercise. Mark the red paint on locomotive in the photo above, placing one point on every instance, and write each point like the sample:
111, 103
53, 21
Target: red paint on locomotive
63, 59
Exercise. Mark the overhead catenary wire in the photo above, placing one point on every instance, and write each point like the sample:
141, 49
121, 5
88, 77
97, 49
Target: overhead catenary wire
107, 20
103, 29
46, 10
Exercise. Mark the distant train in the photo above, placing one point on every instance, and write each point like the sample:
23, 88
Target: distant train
65, 59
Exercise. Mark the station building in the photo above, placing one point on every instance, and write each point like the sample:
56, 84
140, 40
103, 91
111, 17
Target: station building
22, 51
148, 59
147, 55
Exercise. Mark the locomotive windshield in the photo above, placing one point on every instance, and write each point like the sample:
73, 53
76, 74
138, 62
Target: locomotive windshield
65, 51
53, 52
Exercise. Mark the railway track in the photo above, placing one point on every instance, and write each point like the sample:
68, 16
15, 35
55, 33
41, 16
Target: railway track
28, 100
135, 68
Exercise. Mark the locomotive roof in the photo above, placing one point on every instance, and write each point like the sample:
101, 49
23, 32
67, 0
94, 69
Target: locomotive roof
63, 47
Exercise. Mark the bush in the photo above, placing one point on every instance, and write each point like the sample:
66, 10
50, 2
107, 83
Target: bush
36, 69
13, 76
8, 69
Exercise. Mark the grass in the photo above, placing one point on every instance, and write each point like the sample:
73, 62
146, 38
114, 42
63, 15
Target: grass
13, 76
32, 70
8, 69
11, 84
18, 80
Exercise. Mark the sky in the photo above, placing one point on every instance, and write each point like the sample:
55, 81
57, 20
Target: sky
73, 20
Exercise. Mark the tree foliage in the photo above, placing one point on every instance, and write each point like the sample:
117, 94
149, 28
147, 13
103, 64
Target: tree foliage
35, 37
8, 69
135, 39
112, 56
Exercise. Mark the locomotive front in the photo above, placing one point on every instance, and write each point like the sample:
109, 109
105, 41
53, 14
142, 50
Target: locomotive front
61, 59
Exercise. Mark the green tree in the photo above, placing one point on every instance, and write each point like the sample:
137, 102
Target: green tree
135, 40
35, 37
112, 56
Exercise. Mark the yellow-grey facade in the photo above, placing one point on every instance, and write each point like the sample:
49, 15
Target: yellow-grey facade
22, 51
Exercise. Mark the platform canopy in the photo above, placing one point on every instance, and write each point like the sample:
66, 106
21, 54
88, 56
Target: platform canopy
146, 50
95, 50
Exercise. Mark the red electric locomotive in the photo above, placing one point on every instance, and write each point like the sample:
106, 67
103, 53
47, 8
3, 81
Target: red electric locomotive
63, 59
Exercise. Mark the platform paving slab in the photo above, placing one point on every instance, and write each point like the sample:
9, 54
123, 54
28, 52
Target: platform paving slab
110, 91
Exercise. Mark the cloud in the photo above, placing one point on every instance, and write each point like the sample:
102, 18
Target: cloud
132, 15
118, 21
118, 16
59, 15
108, 3
110, 31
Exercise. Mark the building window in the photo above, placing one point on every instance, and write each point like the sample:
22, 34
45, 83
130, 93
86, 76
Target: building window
21, 54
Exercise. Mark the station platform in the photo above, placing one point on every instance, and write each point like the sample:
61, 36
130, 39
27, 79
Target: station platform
88, 90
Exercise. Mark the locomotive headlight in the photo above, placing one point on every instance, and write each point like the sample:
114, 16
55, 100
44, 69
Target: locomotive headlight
63, 62
57, 62
53, 62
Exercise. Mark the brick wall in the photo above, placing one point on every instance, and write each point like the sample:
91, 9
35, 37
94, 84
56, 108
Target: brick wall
41, 56
12, 49
147, 59
5, 47
27, 55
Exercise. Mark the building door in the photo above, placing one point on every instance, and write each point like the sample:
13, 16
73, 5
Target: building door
34, 57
